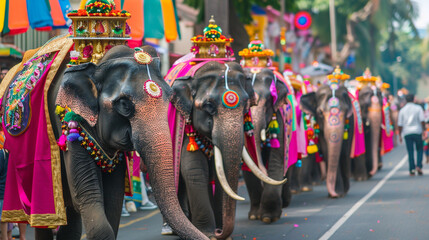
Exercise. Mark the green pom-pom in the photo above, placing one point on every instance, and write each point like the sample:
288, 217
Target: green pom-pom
71, 116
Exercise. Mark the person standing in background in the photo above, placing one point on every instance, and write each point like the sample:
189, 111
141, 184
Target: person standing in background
411, 123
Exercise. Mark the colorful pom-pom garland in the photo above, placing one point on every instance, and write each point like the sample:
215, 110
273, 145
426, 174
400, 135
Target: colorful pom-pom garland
230, 99
72, 131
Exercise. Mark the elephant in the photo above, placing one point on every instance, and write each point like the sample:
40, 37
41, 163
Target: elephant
371, 102
112, 104
332, 108
213, 101
267, 200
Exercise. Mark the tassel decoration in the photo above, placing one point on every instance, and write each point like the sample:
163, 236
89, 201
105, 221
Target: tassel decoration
62, 142
192, 145
248, 125
71, 116
190, 132
274, 130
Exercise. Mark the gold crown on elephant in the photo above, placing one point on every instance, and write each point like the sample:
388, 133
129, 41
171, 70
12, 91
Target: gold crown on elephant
367, 78
255, 55
96, 27
212, 44
338, 75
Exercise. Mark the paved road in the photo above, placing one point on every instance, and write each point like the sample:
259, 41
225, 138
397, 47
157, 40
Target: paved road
391, 205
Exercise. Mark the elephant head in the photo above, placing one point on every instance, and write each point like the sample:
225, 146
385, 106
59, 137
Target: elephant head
216, 98
371, 102
124, 99
331, 109
263, 82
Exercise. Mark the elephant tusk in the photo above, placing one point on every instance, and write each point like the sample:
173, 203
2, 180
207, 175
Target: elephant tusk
263, 135
258, 173
221, 175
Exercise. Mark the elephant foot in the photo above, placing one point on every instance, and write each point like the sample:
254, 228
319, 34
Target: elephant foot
360, 179
269, 220
254, 217
380, 166
306, 189
294, 191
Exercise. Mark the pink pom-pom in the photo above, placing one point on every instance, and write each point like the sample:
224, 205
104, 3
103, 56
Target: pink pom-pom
62, 142
274, 143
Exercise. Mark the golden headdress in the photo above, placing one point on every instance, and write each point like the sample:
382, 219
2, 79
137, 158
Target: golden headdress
212, 44
256, 55
95, 29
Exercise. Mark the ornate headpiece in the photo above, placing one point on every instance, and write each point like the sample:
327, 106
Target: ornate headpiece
338, 75
256, 56
367, 78
212, 44
95, 29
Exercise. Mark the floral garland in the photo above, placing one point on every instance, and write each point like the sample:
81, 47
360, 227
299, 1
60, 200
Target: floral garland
112, 13
73, 131
201, 38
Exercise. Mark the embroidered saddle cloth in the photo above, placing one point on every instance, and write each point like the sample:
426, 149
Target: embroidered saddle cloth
33, 191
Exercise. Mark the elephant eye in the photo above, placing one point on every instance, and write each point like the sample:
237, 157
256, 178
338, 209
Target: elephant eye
124, 107
210, 108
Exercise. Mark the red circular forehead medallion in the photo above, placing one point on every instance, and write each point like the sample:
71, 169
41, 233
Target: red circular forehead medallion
230, 99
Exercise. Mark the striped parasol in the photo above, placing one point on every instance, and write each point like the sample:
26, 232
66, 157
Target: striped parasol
44, 15
150, 19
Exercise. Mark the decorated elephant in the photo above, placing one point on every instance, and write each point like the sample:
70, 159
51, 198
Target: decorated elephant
267, 200
212, 105
97, 112
332, 108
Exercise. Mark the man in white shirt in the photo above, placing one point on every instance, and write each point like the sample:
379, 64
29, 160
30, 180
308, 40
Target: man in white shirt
411, 123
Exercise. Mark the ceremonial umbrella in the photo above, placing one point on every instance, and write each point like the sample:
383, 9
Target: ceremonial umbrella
151, 19
43, 15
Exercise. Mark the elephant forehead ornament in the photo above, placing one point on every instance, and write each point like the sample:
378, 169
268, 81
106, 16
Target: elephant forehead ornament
230, 98
334, 102
150, 87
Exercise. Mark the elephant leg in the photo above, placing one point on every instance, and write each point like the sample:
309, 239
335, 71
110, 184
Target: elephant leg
286, 195
344, 169
305, 174
316, 172
44, 234
195, 173
73, 229
84, 179
360, 173
293, 178
271, 200
254, 188
113, 191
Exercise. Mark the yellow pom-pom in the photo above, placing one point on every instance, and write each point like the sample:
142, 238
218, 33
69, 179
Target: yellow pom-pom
311, 149
346, 135
59, 110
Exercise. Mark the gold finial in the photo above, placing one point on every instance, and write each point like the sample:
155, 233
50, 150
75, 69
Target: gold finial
212, 21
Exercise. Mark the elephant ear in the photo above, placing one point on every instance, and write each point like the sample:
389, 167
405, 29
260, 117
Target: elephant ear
253, 99
308, 103
348, 104
282, 94
182, 95
79, 93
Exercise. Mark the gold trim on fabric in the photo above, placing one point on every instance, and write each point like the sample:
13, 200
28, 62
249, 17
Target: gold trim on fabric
35, 220
63, 45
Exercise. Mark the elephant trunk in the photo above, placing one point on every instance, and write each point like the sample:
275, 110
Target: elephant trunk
228, 140
374, 117
333, 133
152, 141
259, 123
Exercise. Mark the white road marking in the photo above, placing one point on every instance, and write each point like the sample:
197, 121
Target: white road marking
355, 207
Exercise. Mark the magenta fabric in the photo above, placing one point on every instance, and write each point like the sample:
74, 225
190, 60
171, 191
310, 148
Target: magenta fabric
300, 135
386, 131
273, 90
358, 143
29, 180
